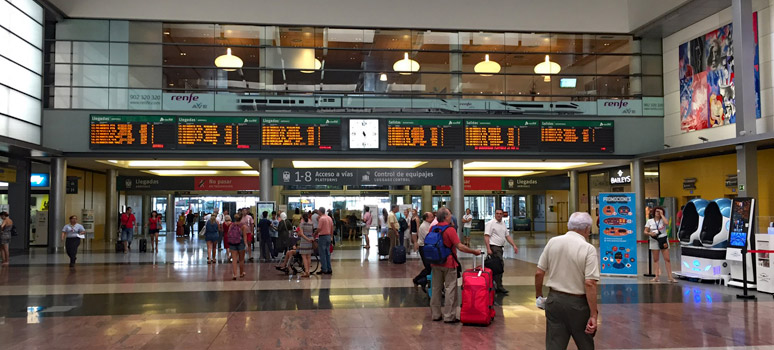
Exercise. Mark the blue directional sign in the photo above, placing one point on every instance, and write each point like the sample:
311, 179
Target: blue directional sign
39, 180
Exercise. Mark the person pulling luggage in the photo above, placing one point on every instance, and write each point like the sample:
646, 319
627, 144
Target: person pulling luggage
495, 236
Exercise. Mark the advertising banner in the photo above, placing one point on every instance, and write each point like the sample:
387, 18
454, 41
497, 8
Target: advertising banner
359, 177
619, 107
618, 233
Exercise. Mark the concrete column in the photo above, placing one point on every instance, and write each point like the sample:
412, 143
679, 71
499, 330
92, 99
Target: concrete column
427, 198
573, 197
56, 203
19, 205
111, 206
170, 216
747, 170
266, 174
145, 214
458, 190
638, 184
744, 72
407, 196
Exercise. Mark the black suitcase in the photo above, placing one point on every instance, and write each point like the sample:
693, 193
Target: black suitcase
384, 246
399, 254
119, 247
143, 245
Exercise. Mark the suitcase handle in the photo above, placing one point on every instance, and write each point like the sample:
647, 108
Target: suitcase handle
483, 261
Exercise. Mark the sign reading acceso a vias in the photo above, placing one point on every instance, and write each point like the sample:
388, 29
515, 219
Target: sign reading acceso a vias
359, 177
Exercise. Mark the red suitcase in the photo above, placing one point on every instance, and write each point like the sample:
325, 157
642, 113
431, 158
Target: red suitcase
478, 295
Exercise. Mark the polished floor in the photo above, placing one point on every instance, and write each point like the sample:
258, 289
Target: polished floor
174, 300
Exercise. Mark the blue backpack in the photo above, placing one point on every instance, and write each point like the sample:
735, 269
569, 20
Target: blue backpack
436, 252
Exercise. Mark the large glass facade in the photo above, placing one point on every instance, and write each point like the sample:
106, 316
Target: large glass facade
126, 65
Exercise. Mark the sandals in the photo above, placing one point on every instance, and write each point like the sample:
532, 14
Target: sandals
655, 280
242, 275
672, 280
233, 277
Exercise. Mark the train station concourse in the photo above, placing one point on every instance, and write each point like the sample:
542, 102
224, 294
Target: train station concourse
386, 175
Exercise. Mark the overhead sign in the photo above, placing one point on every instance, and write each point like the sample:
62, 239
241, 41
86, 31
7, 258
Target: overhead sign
39, 180
160, 183
536, 183
486, 183
620, 177
7, 174
359, 177
618, 233
227, 183
131, 132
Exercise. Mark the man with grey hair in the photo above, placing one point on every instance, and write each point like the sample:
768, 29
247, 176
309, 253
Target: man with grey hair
392, 228
445, 275
570, 266
324, 234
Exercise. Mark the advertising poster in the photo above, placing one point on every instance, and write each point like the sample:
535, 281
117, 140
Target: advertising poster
706, 73
741, 221
618, 233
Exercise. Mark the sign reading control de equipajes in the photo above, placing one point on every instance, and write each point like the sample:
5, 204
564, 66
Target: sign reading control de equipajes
358, 177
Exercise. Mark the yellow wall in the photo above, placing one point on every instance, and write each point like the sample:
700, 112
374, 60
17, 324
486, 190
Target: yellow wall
91, 195
583, 192
710, 174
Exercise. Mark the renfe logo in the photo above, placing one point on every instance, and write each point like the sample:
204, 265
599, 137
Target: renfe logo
190, 98
618, 104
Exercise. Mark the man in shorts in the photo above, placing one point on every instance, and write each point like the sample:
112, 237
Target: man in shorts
127, 228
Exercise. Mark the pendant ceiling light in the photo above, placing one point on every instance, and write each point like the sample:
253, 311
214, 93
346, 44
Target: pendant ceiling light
383, 77
486, 67
405, 66
228, 62
546, 68
317, 66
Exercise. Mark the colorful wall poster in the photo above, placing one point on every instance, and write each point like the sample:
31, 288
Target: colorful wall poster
618, 233
706, 73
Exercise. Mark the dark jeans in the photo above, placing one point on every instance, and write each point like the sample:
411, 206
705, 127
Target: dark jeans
324, 249
566, 317
497, 252
266, 247
71, 246
274, 247
422, 276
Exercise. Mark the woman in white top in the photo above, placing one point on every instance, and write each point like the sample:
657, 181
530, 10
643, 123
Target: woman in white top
467, 225
656, 229
71, 235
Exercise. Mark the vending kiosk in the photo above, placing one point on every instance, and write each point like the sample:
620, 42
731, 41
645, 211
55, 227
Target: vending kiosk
740, 240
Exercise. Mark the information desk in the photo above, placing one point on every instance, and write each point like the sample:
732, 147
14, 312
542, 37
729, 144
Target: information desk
576, 136
301, 133
218, 132
408, 134
502, 135
133, 132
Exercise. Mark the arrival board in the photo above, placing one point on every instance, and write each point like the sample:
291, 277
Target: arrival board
131, 132
502, 135
218, 132
291, 133
408, 134
577, 136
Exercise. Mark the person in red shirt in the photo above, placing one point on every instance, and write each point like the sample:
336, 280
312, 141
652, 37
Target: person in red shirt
445, 275
127, 228
154, 226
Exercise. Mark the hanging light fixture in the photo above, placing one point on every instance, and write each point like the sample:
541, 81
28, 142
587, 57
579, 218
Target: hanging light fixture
405, 66
383, 77
486, 67
317, 66
546, 68
228, 62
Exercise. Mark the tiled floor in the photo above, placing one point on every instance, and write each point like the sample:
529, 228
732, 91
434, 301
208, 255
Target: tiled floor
174, 300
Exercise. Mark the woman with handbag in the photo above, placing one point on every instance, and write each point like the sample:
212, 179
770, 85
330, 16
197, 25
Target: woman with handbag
656, 229
306, 242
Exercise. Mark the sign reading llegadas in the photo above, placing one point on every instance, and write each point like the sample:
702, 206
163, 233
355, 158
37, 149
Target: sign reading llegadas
536, 183
188, 183
358, 177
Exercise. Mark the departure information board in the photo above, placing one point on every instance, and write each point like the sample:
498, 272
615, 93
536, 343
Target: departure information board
218, 132
301, 133
577, 136
408, 134
131, 132
502, 135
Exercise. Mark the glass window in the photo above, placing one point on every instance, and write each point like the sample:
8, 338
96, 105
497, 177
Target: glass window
392, 39
482, 42
528, 42
614, 65
436, 41
572, 43
183, 33
339, 38
83, 29
613, 86
90, 52
613, 44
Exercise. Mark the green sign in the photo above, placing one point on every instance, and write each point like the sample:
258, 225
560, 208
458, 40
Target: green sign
102, 118
500, 122
423, 122
302, 121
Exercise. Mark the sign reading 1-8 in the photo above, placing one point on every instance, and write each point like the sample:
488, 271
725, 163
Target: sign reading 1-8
299, 177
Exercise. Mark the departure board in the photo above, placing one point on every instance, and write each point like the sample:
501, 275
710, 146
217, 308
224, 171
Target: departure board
502, 135
131, 132
301, 133
577, 136
218, 132
408, 134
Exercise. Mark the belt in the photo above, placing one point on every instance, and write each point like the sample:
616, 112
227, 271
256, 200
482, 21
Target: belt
568, 294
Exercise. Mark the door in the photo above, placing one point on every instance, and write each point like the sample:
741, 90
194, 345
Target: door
562, 215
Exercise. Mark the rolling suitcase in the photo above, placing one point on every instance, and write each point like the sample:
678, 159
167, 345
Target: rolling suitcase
143, 245
384, 246
119, 247
478, 295
399, 254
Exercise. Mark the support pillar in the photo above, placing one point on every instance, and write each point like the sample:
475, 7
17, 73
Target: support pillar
744, 95
427, 198
458, 190
266, 191
56, 203
19, 205
143, 217
638, 185
170, 216
111, 206
573, 197
747, 170
407, 195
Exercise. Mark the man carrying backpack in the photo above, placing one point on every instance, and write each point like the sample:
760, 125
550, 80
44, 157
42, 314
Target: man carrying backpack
440, 249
